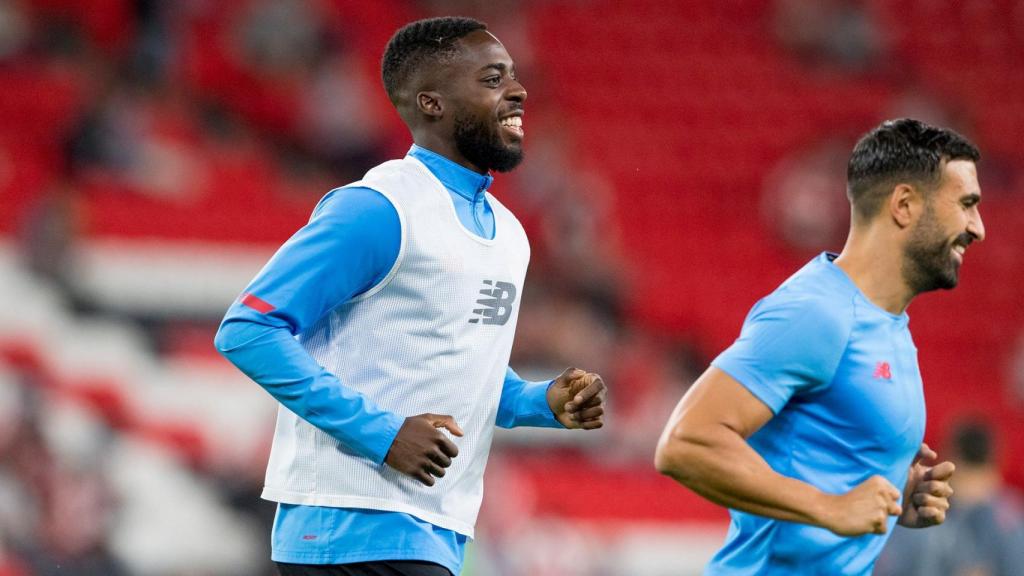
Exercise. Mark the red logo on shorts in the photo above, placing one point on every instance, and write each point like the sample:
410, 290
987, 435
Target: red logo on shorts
882, 371
309, 537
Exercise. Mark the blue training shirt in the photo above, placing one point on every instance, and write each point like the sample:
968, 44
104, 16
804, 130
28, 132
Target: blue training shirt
841, 376
349, 245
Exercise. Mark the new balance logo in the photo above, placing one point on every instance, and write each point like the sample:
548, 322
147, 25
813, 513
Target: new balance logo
497, 303
882, 371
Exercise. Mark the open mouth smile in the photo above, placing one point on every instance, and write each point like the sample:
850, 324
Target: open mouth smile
959, 250
513, 124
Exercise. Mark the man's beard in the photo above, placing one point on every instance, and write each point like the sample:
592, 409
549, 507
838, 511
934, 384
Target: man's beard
928, 263
479, 142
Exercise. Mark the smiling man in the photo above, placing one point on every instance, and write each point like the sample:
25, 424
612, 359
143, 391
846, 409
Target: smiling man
384, 328
809, 426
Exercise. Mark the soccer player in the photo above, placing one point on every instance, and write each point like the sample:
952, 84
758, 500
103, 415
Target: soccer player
384, 328
809, 426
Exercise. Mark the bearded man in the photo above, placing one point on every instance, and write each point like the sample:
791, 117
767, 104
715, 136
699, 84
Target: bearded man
809, 426
384, 328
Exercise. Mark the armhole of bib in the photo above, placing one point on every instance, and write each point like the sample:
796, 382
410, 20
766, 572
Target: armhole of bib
403, 226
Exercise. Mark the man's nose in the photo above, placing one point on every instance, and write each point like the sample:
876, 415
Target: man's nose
516, 92
976, 227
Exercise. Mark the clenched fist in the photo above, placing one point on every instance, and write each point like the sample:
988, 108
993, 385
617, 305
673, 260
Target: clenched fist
576, 398
865, 509
926, 497
420, 449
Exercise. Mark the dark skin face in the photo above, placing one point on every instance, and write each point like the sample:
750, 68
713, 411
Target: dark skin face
462, 104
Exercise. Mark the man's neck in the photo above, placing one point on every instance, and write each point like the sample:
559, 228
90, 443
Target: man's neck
874, 263
445, 147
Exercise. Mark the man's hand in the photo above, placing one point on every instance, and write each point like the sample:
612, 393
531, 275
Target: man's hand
926, 496
420, 450
863, 510
576, 399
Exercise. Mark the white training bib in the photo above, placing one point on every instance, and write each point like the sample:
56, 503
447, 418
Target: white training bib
434, 336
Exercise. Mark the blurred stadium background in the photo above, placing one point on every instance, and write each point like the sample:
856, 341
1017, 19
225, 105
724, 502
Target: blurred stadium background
682, 159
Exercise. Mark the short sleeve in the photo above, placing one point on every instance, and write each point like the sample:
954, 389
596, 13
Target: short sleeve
788, 346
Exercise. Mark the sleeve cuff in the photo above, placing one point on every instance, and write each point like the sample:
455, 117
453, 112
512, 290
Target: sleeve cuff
535, 410
380, 435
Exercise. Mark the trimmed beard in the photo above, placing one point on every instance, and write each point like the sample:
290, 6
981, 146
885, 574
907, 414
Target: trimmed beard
480, 143
927, 262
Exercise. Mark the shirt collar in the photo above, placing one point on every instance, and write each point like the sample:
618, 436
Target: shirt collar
458, 179
828, 260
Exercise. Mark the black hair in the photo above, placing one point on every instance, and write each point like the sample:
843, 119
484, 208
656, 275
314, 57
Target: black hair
972, 441
432, 39
901, 151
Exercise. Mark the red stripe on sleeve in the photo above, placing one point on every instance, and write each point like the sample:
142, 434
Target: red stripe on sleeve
257, 304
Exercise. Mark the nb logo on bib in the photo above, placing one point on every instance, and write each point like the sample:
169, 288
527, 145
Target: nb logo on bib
496, 305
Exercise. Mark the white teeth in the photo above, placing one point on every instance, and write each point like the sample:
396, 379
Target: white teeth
512, 121
959, 250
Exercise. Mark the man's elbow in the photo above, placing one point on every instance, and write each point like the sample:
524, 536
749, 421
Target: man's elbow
225, 341
674, 457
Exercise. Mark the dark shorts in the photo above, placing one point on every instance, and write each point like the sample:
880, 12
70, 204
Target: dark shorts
381, 568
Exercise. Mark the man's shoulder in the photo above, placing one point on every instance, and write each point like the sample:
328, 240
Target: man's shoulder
355, 201
403, 180
813, 298
398, 167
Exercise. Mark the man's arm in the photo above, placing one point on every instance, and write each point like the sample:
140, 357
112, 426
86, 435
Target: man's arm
704, 448
277, 362
524, 403
349, 245
575, 399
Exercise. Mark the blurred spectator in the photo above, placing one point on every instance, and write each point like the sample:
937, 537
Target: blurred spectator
142, 138
571, 212
829, 33
804, 199
277, 38
984, 530
300, 84
49, 233
53, 520
155, 46
337, 122
14, 28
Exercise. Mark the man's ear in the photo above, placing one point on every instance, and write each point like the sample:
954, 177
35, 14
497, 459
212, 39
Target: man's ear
430, 104
904, 204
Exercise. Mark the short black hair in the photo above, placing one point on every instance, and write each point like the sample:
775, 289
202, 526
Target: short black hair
972, 442
419, 42
901, 151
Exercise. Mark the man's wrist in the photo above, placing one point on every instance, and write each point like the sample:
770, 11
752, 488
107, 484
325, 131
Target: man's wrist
822, 508
391, 424
535, 408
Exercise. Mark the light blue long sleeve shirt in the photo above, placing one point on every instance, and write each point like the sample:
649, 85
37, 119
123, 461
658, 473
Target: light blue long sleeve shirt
349, 245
